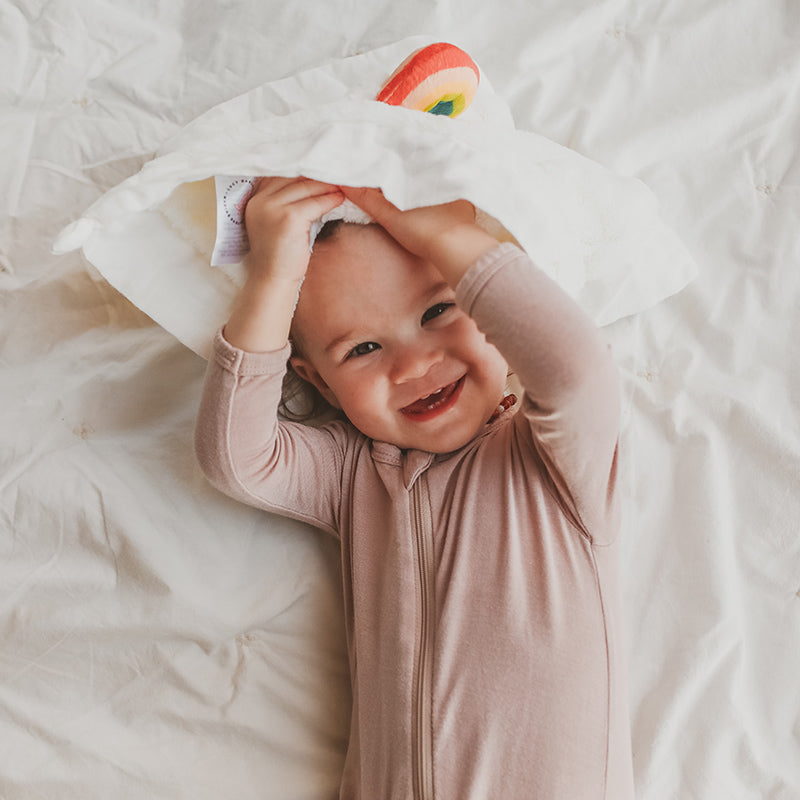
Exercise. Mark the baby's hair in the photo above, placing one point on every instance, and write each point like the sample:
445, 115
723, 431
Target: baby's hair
302, 402
328, 230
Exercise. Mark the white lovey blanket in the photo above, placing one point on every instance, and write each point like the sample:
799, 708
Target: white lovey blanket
599, 234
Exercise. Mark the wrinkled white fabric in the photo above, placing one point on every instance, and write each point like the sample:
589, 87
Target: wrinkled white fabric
597, 233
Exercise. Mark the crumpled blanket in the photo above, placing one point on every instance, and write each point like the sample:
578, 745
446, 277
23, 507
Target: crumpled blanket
597, 233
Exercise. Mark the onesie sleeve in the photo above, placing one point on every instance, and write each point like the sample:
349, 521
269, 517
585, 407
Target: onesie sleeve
570, 408
248, 453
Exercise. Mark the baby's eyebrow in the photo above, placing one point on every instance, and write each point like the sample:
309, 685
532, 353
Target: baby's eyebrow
340, 340
434, 290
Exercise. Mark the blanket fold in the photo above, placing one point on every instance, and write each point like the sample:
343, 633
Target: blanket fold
597, 233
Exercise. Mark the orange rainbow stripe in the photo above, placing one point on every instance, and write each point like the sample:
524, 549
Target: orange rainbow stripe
440, 79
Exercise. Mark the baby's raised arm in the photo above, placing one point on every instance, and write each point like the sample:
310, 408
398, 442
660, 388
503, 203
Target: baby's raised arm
239, 444
571, 384
278, 218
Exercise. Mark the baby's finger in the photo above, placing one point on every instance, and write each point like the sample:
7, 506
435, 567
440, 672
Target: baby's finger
271, 195
314, 206
276, 186
270, 184
370, 200
303, 188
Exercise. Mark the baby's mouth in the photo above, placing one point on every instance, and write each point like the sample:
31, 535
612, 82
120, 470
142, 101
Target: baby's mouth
435, 402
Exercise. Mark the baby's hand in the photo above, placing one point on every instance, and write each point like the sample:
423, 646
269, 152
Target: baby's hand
278, 218
445, 235
418, 229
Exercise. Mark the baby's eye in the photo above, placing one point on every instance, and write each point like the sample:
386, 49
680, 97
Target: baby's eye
435, 311
363, 349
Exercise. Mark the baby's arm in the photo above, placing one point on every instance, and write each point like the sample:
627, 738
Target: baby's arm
288, 468
571, 406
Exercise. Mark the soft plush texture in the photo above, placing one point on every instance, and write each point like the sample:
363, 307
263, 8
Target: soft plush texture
439, 79
597, 233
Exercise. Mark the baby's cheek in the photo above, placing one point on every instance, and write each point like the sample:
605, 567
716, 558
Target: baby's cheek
360, 404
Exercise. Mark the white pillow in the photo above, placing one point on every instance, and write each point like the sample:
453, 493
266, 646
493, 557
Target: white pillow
597, 233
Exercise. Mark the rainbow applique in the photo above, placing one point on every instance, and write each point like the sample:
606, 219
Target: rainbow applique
440, 79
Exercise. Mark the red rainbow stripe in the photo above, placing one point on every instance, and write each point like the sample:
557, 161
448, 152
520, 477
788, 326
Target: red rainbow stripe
422, 67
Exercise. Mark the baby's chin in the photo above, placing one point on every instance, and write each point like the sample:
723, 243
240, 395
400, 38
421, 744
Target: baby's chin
438, 442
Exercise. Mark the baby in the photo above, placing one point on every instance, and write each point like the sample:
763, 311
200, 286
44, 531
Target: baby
479, 534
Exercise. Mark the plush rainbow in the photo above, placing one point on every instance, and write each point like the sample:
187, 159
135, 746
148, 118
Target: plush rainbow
440, 78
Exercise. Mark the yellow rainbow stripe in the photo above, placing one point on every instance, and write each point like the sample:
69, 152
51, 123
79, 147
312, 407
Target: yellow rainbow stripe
439, 79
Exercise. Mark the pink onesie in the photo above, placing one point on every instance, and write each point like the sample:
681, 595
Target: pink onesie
481, 586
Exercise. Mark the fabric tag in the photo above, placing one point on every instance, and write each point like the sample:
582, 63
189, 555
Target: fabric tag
233, 192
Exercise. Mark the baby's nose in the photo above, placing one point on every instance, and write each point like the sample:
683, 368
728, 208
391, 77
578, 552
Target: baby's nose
412, 363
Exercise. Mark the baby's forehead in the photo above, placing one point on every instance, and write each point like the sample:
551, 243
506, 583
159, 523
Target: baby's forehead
361, 271
359, 258
353, 250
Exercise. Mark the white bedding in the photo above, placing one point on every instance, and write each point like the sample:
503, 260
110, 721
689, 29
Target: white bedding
161, 641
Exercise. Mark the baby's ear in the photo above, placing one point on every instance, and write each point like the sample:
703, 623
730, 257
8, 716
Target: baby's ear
306, 370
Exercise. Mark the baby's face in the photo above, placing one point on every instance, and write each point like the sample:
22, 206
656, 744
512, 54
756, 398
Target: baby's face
383, 340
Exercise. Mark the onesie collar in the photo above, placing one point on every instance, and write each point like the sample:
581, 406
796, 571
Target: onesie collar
415, 462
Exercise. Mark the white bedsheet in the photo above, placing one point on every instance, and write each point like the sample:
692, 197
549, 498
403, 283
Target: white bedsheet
160, 641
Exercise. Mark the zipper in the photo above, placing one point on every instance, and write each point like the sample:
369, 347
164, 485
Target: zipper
422, 724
